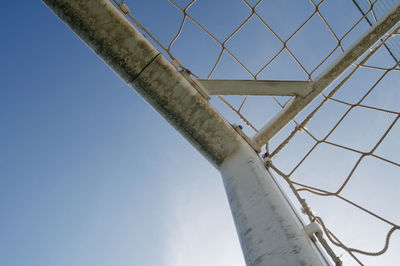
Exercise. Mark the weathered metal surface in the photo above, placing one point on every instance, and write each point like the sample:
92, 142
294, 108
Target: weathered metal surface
257, 209
128, 53
239, 130
256, 87
268, 232
108, 33
326, 78
186, 109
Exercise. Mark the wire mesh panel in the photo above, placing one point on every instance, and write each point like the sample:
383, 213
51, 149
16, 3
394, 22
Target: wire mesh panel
339, 158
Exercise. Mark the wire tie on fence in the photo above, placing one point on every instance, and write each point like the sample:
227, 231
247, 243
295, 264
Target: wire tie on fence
313, 228
267, 160
124, 8
176, 63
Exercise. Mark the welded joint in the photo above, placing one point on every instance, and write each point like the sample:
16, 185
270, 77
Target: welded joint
195, 83
309, 89
238, 129
312, 229
306, 90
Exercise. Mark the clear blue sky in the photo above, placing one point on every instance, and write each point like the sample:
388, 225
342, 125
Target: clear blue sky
90, 174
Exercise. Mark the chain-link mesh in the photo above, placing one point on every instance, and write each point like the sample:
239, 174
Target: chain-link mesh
341, 153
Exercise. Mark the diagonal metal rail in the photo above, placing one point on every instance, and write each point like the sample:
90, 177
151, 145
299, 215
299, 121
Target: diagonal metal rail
113, 38
339, 66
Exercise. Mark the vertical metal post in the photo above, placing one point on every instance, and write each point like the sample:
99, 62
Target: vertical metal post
269, 231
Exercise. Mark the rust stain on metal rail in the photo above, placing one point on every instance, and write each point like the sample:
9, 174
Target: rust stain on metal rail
105, 29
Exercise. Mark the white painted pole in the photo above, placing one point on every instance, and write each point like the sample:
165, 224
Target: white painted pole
269, 231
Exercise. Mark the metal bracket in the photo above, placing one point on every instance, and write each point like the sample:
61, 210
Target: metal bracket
195, 83
312, 229
238, 129
124, 8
